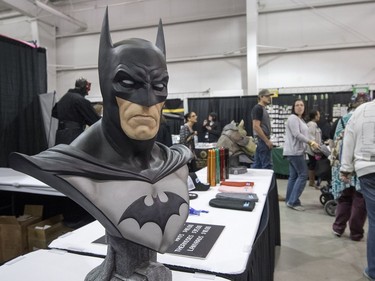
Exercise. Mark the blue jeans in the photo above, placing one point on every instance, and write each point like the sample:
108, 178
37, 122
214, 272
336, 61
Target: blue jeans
297, 179
262, 157
367, 183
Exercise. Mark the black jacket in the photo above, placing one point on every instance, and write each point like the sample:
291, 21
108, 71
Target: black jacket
74, 113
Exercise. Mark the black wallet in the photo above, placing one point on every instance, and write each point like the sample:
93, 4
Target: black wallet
243, 205
238, 196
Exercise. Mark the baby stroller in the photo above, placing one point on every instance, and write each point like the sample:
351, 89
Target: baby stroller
323, 172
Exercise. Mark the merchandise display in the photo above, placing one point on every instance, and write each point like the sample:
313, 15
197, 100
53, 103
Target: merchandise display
339, 110
278, 115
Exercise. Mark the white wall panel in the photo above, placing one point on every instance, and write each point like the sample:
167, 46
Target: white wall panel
204, 38
216, 75
188, 41
334, 25
322, 28
331, 68
19, 29
66, 81
78, 51
47, 39
211, 74
197, 29
148, 12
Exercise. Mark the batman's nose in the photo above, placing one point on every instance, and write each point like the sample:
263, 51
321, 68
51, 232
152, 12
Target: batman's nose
150, 98
150, 95
147, 96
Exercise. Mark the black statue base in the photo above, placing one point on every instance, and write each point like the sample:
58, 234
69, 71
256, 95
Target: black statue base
129, 261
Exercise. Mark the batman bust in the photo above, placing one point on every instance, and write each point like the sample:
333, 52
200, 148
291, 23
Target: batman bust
135, 187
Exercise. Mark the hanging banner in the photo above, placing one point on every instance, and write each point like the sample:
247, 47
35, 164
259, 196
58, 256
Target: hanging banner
274, 92
361, 90
174, 108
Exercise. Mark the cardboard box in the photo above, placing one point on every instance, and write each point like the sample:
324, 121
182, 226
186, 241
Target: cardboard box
41, 234
13, 232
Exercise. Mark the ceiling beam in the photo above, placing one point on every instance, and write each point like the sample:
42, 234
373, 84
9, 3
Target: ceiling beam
9, 14
263, 9
61, 15
24, 7
42, 12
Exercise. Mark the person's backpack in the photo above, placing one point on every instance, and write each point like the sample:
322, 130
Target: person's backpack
337, 146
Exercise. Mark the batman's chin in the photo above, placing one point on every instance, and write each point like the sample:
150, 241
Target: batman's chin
151, 235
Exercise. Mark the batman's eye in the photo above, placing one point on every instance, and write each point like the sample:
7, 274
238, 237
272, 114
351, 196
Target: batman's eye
127, 83
158, 86
125, 80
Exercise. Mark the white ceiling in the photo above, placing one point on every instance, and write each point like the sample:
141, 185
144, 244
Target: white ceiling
50, 12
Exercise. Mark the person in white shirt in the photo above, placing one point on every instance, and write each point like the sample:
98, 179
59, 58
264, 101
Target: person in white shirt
358, 155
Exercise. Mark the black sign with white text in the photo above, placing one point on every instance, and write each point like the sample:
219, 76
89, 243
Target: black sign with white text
196, 240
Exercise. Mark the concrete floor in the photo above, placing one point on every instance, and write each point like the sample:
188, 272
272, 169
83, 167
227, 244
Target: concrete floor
309, 251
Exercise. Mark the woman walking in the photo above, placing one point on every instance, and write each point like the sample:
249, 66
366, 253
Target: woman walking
315, 133
296, 139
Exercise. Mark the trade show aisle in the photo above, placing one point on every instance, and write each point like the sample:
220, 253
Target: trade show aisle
309, 251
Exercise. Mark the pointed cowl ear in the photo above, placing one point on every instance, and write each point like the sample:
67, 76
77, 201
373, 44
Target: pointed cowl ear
105, 44
104, 61
160, 43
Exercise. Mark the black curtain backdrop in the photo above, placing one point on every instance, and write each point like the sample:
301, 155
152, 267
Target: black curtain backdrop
23, 77
239, 108
173, 112
201, 107
228, 109
323, 102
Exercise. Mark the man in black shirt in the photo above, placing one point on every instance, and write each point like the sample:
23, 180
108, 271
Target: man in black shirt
74, 112
262, 131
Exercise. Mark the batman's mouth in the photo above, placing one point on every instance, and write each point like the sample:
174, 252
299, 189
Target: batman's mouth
144, 119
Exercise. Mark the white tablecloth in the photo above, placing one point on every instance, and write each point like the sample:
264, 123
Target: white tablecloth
11, 180
53, 265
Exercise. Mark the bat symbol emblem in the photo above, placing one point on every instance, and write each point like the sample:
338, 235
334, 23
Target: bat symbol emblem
158, 213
